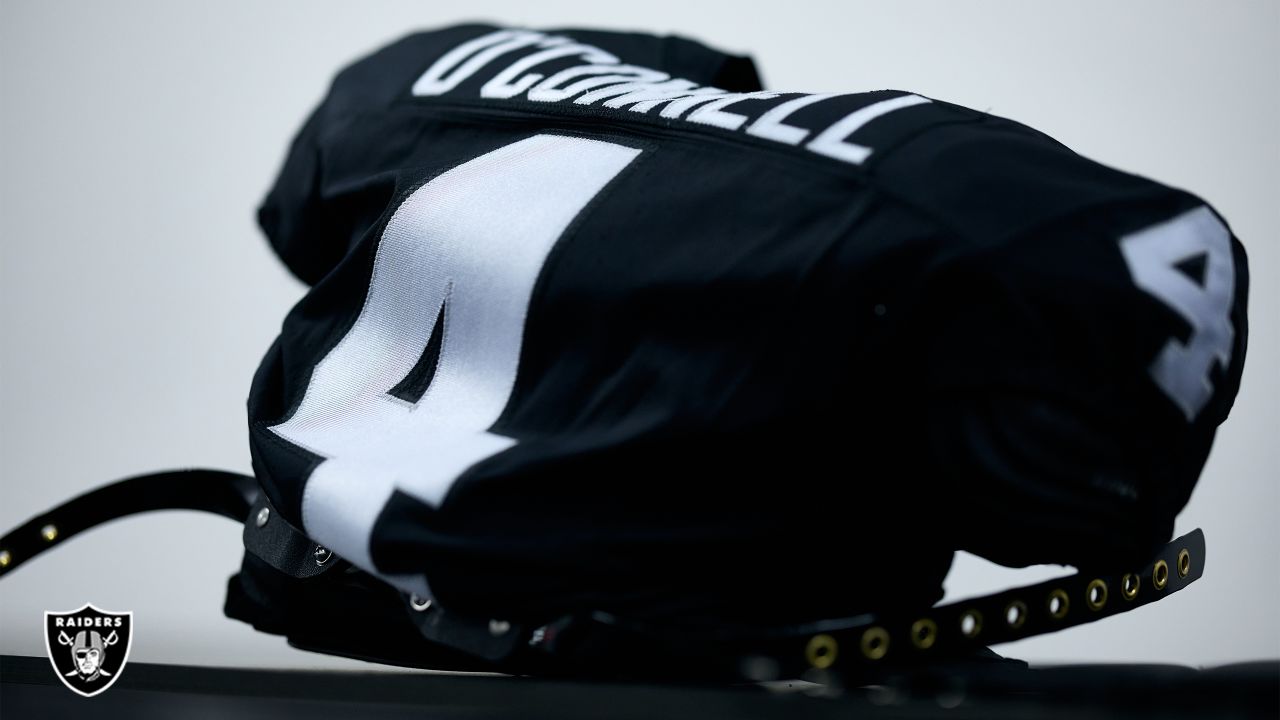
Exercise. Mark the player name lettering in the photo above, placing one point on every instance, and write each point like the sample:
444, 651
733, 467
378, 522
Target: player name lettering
86, 622
529, 65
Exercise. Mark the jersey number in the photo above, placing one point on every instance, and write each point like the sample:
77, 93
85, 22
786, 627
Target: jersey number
463, 251
1154, 255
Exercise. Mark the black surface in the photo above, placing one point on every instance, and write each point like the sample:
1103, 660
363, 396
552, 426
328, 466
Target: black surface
28, 689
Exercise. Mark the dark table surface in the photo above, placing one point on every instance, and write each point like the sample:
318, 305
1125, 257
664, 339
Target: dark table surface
29, 689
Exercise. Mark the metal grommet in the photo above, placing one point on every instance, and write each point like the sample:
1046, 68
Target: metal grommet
1129, 586
971, 623
538, 636
1160, 574
1096, 595
821, 651
5, 558
263, 516
419, 604
322, 554
1184, 562
1058, 604
924, 633
49, 532
498, 628
875, 643
1015, 614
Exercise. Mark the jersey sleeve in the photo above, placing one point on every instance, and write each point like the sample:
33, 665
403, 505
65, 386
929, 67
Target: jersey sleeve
1077, 374
1080, 338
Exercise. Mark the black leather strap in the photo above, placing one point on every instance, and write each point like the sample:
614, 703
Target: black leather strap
958, 631
861, 646
222, 493
308, 596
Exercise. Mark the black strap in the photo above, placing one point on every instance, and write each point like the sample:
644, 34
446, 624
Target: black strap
893, 639
598, 643
222, 493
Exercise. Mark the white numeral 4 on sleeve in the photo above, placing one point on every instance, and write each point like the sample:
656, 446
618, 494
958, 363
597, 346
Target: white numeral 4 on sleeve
1181, 369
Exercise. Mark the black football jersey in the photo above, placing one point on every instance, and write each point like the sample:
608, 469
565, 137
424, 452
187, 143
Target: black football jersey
597, 322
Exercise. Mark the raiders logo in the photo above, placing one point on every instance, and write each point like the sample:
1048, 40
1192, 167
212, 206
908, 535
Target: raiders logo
88, 647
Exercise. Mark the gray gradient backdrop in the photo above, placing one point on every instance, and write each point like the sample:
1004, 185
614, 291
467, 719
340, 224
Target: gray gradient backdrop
136, 139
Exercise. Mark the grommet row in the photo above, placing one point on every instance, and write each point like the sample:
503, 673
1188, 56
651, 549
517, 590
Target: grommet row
822, 649
48, 532
1058, 602
1019, 618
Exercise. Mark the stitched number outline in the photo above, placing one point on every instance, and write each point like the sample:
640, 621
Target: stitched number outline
464, 250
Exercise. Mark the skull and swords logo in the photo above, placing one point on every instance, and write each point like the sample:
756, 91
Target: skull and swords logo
88, 647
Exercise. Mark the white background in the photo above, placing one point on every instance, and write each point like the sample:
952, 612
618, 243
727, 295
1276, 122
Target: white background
137, 296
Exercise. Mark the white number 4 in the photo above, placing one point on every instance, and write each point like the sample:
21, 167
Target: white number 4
1153, 254
463, 251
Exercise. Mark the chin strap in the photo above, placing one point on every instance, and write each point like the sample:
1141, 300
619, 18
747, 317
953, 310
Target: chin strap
417, 632
222, 493
867, 646
291, 586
